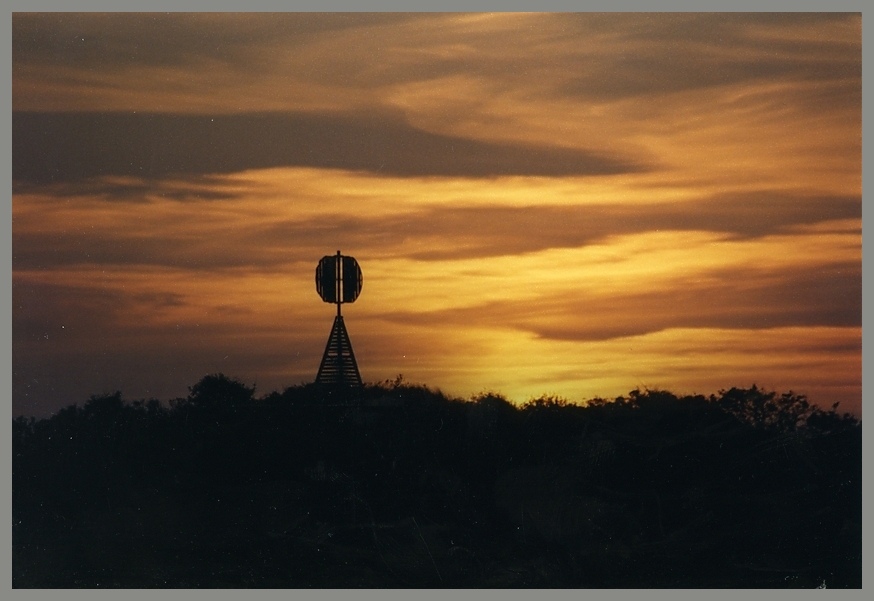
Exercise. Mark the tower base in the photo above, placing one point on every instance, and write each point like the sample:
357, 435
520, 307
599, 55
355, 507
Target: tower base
338, 363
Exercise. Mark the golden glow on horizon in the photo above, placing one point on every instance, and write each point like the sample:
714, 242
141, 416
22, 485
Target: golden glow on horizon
278, 304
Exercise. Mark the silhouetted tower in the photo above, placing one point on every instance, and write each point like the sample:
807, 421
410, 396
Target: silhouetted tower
338, 280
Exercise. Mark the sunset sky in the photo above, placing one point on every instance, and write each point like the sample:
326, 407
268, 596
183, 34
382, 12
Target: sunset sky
567, 204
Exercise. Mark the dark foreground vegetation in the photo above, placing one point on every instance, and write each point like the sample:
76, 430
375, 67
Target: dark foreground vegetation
400, 486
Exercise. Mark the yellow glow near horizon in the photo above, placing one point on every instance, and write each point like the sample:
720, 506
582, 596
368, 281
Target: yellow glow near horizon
494, 351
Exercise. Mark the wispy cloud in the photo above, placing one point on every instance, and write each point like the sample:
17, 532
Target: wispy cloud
591, 201
749, 299
199, 235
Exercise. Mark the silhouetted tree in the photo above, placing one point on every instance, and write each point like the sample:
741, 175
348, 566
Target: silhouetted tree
398, 483
217, 391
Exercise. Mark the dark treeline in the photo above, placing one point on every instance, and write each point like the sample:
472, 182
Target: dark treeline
398, 485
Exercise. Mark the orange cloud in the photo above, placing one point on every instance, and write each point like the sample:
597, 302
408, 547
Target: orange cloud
611, 201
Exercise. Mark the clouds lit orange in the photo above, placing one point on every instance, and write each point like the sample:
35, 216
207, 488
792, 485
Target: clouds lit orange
612, 201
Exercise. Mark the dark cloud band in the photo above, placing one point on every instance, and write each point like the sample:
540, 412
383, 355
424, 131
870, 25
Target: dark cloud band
59, 147
749, 299
441, 233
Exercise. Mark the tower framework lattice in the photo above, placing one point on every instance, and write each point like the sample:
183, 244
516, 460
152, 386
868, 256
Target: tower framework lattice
338, 363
